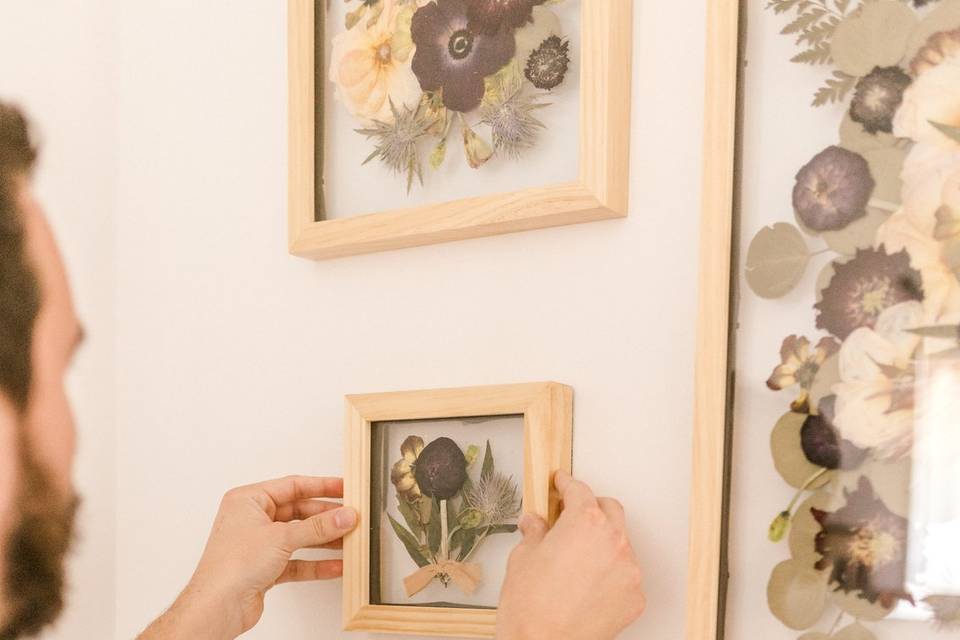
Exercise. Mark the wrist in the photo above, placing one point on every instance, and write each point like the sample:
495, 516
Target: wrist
199, 612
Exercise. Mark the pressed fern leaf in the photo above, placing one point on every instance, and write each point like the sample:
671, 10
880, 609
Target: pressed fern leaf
835, 90
819, 54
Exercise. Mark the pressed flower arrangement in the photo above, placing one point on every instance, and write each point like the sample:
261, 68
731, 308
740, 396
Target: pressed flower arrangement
440, 477
420, 76
422, 121
877, 209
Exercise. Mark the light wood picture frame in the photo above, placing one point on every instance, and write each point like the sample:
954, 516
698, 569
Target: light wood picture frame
808, 441
707, 564
547, 411
599, 192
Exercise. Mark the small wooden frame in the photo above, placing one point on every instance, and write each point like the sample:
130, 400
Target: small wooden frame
707, 573
547, 410
600, 192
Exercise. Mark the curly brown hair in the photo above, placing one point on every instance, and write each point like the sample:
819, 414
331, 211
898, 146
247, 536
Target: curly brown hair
19, 292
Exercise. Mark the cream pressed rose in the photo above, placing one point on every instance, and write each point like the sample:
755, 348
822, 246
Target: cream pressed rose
370, 65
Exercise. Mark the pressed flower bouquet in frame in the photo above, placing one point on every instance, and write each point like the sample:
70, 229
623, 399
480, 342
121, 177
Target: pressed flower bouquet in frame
842, 478
421, 121
440, 479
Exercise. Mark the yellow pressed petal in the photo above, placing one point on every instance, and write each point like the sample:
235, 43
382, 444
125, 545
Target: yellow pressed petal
356, 67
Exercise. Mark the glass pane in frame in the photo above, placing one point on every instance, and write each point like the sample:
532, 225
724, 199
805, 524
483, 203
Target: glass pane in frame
845, 476
446, 495
500, 112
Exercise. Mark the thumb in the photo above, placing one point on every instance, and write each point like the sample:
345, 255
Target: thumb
533, 528
322, 529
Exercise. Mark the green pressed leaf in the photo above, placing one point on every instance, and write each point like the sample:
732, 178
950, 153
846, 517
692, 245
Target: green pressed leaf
788, 456
951, 132
814, 635
835, 89
410, 542
487, 469
855, 631
859, 234
466, 540
944, 17
410, 515
435, 528
776, 260
471, 454
797, 595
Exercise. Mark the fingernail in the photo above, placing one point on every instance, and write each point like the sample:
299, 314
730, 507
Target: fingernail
345, 518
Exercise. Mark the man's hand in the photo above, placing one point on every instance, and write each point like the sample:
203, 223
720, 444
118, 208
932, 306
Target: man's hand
577, 581
256, 531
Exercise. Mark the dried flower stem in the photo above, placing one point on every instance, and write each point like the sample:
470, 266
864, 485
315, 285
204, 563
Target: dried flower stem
444, 534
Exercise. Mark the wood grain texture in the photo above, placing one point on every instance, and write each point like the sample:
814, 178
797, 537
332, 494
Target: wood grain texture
547, 410
711, 376
600, 192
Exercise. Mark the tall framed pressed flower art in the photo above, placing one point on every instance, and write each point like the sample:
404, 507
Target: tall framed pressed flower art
421, 121
826, 492
440, 478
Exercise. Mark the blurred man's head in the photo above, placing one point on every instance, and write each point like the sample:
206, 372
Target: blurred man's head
39, 333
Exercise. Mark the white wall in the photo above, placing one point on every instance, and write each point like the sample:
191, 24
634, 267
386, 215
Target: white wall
232, 357
56, 61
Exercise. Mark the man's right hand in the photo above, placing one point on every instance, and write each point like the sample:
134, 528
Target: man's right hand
578, 581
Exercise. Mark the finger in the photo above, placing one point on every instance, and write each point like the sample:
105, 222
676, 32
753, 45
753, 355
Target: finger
273, 493
533, 528
322, 529
575, 494
613, 510
309, 570
334, 546
303, 509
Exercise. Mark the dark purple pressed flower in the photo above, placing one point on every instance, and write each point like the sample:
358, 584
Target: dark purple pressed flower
862, 288
490, 16
822, 444
547, 66
441, 469
877, 97
832, 190
453, 58
864, 546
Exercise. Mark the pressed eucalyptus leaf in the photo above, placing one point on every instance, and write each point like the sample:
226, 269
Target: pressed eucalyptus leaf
859, 234
857, 607
410, 542
853, 137
805, 528
875, 36
797, 595
776, 260
814, 635
886, 165
788, 456
855, 631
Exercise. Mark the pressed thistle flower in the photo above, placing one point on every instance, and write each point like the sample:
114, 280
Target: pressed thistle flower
512, 122
396, 142
495, 498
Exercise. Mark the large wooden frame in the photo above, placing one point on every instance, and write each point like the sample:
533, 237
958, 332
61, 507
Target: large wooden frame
547, 410
600, 192
707, 569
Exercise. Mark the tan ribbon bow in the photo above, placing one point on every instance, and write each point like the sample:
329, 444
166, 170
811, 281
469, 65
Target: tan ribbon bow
466, 575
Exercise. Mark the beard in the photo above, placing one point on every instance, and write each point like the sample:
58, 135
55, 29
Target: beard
36, 552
